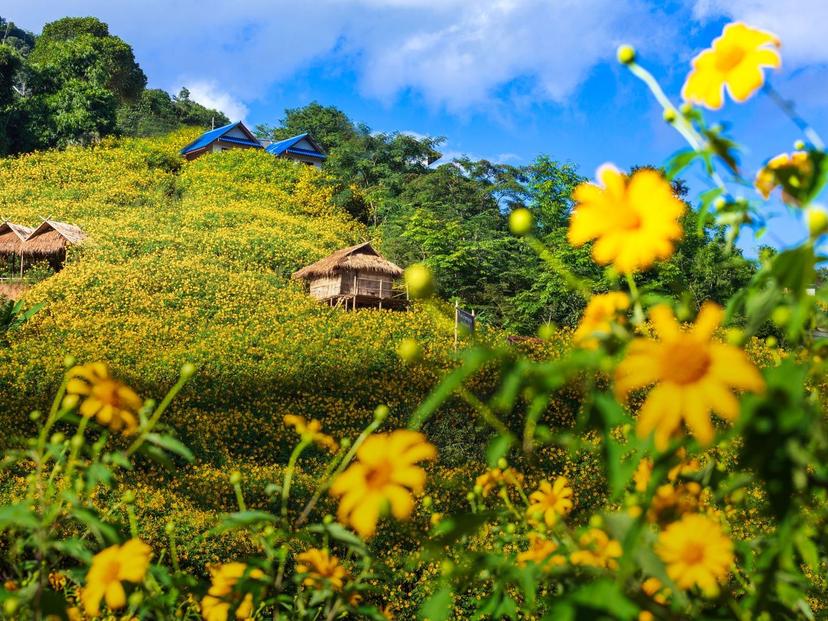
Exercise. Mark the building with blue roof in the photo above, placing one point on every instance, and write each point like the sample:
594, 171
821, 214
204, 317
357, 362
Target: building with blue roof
302, 148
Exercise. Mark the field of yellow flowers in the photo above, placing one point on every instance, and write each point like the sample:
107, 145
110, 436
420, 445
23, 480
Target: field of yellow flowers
190, 436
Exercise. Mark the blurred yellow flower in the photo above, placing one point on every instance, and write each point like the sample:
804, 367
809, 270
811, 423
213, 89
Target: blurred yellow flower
601, 310
597, 550
311, 431
110, 567
693, 375
736, 61
696, 553
321, 569
541, 552
215, 606
495, 477
791, 171
385, 473
634, 221
550, 501
112, 403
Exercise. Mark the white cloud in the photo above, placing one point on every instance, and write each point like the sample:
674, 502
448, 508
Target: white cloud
799, 23
209, 94
455, 54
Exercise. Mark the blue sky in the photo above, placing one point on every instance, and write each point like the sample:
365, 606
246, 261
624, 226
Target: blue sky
501, 79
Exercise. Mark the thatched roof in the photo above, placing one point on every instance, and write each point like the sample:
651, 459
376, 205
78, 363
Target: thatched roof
361, 258
12, 237
52, 237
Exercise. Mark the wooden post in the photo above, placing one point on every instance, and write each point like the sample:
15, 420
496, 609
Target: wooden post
456, 318
21, 263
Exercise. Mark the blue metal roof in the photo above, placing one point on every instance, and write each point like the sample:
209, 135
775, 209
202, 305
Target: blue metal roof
278, 148
214, 134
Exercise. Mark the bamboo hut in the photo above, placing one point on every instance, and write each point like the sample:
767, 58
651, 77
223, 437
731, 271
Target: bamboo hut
50, 240
12, 237
355, 277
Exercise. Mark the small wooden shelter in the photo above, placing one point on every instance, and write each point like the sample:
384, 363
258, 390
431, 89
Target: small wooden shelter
12, 237
357, 276
50, 240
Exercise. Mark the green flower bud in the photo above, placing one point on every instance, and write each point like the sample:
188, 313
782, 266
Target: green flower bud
446, 568
470, 496
57, 438
520, 222
427, 502
670, 115
345, 443
510, 528
502, 463
799, 145
10, 606
77, 441
169, 528
596, 521
720, 203
781, 316
235, 477
69, 362
135, 599
547, 331
626, 54
409, 350
485, 574
268, 531
271, 489
420, 281
328, 519
128, 497
686, 108
381, 413
478, 489
70, 402
34, 415
771, 342
188, 369
817, 220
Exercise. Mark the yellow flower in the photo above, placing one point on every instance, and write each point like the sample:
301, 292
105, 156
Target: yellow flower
550, 501
692, 373
600, 312
321, 568
735, 60
57, 580
110, 567
696, 553
634, 220
541, 552
113, 404
496, 477
597, 550
793, 172
311, 431
385, 473
670, 502
215, 606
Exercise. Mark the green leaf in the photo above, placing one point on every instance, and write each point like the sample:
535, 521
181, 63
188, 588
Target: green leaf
807, 550
171, 444
242, 519
498, 447
17, 516
103, 532
438, 607
795, 269
341, 534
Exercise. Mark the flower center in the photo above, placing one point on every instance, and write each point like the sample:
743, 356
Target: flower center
113, 568
380, 475
685, 361
729, 58
107, 392
693, 553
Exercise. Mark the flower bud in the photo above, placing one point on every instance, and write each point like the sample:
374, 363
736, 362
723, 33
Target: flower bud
670, 115
817, 220
510, 528
69, 361
520, 222
502, 463
188, 369
10, 606
771, 342
328, 519
596, 521
57, 438
427, 502
470, 496
345, 443
271, 489
799, 145
235, 477
626, 54
780, 316
686, 108
420, 281
77, 441
128, 497
268, 531
34, 415
546, 331
169, 528
720, 203
381, 413
70, 402
478, 490
409, 350
135, 599
446, 568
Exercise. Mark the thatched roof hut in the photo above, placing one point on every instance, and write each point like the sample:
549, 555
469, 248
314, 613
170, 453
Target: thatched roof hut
12, 237
51, 238
359, 258
358, 274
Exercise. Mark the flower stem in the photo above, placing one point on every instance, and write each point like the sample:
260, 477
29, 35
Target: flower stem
182, 380
291, 467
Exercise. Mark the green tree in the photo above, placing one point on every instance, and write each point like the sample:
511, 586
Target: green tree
328, 125
157, 113
17, 38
